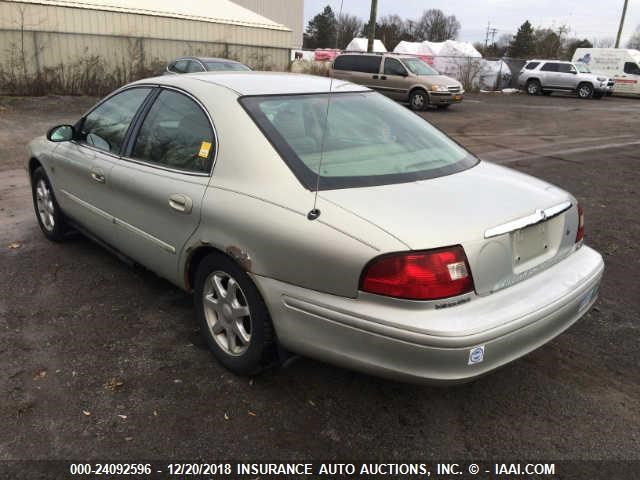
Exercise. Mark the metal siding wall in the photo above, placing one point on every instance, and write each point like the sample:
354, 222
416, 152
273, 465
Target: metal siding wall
77, 20
289, 13
121, 57
77, 46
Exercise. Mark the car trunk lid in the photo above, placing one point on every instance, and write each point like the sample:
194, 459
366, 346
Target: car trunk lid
496, 214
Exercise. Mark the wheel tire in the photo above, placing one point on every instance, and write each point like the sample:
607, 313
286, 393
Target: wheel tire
221, 318
534, 87
585, 90
443, 107
50, 218
418, 100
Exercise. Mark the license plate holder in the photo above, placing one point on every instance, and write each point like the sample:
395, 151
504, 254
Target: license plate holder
529, 243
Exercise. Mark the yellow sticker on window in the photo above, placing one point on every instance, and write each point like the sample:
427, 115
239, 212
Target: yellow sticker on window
205, 147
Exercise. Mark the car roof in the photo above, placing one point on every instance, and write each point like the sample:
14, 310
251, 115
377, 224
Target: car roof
379, 54
208, 59
263, 83
550, 60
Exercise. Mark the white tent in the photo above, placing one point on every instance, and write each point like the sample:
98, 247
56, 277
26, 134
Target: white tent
452, 48
360, 45
459, 60
432, 47
411, 48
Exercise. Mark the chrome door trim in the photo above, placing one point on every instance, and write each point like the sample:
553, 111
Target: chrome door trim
536, 217
147, 236
117, 221
88, 206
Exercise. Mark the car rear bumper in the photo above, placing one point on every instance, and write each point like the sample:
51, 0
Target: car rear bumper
367, 333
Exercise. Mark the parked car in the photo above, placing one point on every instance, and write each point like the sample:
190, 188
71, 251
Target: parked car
204, 64
623, 64
547, 76
402, 77
366, 238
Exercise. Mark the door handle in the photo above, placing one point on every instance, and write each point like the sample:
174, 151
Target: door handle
180, 203
375, 77
383, 77
98, 175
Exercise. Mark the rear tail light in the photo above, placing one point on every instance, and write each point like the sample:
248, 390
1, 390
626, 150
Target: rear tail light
580, 232
427, 275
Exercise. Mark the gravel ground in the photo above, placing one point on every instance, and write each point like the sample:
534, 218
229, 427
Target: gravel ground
102, 360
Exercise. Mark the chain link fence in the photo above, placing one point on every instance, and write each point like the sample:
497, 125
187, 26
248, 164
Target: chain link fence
474, 73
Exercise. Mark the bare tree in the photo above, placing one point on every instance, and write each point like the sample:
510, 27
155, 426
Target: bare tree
435, 26
391, 30
547, 43
634, 41
348, 27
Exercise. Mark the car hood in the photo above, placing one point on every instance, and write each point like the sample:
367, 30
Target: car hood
449, 210
442, 80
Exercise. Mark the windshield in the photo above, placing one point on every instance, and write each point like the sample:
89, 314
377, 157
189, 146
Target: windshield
219, 66
582, 68
418, 67
370, 140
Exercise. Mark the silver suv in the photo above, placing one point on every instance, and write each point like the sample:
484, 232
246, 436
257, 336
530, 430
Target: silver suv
547, 76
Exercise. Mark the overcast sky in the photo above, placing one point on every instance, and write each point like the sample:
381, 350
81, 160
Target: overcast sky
587, 18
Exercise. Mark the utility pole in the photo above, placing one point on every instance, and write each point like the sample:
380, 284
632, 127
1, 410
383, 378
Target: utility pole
372, 25
493, 35
486, 37
624, 12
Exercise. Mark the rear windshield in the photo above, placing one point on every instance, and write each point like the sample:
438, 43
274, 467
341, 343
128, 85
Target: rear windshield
369, 140
418, 67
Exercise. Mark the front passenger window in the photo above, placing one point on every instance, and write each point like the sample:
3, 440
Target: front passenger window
631, 68
393, 67
106, 126
176, 133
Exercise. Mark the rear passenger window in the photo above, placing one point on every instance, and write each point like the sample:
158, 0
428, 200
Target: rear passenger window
550, 67
631, 68
176, 133
343, 62
368, 64
566, 68
531, 65
358, 63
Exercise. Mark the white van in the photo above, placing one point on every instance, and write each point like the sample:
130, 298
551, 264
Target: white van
623, 65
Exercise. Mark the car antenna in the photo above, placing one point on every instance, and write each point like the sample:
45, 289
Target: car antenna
315, 212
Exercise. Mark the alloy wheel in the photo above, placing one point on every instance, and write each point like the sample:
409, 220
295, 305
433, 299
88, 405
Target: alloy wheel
584, 91
44, 202
227, 313
418, 101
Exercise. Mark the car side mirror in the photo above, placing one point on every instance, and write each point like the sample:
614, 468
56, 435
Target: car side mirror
61, 133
